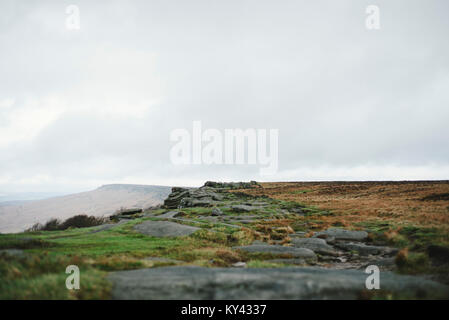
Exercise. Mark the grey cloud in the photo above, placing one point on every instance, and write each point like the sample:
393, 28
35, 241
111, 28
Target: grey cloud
341, 96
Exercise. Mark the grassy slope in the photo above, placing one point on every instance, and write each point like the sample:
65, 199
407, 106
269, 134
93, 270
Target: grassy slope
40, 274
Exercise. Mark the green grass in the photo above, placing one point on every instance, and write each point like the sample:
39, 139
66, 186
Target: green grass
43, 277
40, 273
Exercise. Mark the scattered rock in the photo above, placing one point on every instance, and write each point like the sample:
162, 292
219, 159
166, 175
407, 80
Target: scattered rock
192, 202
364, 249
231, 185
130, 211
217, 212
243, 208
277, 249
164, 229
243, 221
288, 261
299, 234
316, 244
383, 263
191, 197
178, 283
169, 214
163, 260
297, 211
239, 264
107, 226
342, 234
258, 203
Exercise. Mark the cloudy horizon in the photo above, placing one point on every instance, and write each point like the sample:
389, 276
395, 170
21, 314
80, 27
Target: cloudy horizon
94, 106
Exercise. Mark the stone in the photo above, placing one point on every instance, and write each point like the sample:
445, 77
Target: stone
298, 234
163, 260
297, 211
130, 211
244, 217
342, 234
258, 203
316, 244
239, 264
243, 208
169, 214
383, 263
217, 212
366, 250
192, 202
193, 283
288, 261
277, 249
231, 185
108, 226
164, 229
243, 221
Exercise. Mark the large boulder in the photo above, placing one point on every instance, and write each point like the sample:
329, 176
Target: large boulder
173, 283
164, 229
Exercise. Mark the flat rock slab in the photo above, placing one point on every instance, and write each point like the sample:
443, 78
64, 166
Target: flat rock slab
108, 226
264, 283
366, 250
243, 208
277, 249
342, 234
299, 234
288, 261
315, 244
169, 214
164, 229
163, 260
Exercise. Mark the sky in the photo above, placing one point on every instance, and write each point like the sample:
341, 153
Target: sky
84, 107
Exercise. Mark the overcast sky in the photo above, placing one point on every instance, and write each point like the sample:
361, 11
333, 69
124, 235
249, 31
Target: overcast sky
82, 108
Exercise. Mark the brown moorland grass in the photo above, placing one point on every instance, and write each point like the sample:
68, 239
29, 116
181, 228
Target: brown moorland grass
402, 203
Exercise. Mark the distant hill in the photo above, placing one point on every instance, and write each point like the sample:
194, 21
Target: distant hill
17, 216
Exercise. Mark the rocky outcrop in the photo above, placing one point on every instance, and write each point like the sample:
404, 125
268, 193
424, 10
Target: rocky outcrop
231, 185
191, 197
205, 196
